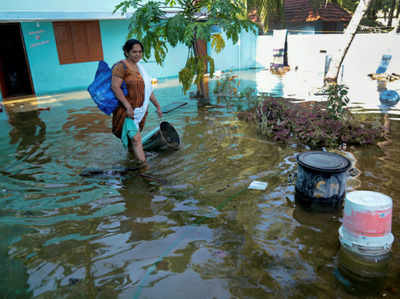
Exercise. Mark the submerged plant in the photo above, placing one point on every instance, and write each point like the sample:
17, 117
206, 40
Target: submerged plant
227, 86
228, 90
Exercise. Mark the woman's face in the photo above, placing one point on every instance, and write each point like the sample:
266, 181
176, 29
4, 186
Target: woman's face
135, 53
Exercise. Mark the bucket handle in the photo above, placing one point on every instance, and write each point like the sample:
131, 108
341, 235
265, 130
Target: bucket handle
353, 172
292, 177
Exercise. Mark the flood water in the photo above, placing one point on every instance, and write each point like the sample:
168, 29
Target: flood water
193, 231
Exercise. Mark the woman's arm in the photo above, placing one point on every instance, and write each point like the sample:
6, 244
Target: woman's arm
156, 104
116, 83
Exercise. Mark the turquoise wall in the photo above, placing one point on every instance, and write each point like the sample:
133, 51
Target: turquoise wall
241, 55
58, 5
49, 76
114, 36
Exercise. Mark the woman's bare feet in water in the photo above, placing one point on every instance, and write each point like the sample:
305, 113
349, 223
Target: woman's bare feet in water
143, 166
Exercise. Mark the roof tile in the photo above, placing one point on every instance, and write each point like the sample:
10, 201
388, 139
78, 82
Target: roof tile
300, 11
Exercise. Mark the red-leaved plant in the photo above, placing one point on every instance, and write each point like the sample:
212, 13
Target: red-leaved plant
309, 123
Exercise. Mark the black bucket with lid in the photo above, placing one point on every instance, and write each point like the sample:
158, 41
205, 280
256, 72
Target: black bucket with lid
321, 179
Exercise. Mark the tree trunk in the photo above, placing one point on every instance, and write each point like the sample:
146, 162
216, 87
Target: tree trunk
395, 26
348, 37
200, 49
391, 13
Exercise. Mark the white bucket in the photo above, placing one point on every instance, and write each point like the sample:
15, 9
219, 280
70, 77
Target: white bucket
367, 223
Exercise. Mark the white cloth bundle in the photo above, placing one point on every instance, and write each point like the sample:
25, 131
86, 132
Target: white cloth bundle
148, 90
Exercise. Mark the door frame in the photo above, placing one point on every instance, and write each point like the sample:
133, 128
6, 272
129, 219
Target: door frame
3, 86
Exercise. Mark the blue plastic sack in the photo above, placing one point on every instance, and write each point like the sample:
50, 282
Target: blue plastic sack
100, 89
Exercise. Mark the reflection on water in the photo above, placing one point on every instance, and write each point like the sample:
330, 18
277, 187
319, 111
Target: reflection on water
200, 234
362, 275
28, 131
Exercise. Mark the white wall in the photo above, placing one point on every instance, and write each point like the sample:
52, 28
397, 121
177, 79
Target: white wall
264, 50
363, 58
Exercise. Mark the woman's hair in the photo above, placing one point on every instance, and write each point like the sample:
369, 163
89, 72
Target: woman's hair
129, 45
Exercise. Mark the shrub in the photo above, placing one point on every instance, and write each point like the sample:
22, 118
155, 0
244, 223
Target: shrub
309, 123
316, 124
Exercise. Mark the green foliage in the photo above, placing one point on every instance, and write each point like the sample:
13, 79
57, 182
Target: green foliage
227, 85
156, 30
228, 90
337, 101
218, 42
271, 12
350, 5
175, 28
194, 69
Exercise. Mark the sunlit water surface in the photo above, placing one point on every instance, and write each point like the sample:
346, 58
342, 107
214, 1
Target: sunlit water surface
197, 233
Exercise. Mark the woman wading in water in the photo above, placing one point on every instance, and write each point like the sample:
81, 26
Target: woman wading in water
129, 118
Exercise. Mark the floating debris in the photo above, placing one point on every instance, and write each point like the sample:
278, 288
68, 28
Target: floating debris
257, 185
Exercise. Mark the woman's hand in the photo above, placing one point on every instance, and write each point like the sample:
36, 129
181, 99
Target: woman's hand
156, 104
129, 112
116, 83
159, 112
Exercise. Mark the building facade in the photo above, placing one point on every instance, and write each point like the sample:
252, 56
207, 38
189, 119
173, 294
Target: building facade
302, 18
53, 46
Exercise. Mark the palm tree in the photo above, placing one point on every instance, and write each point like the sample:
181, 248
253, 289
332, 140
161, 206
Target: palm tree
271, 12
268, 11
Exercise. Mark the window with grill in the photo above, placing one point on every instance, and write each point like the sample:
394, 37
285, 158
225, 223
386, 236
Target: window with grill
78, 41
